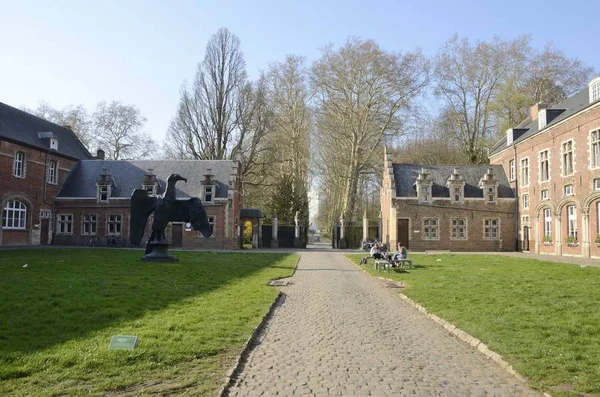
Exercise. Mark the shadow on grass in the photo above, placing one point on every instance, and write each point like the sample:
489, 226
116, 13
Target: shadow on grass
66, 294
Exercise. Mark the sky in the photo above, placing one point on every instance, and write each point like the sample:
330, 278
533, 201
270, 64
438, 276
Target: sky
141, 52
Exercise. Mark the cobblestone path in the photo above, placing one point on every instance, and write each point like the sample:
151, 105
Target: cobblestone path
340, 332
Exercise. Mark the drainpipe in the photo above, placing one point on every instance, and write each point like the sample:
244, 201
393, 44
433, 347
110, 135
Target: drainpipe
52, 205
517, 221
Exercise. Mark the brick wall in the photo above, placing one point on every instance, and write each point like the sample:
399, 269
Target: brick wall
576, 128
31, 190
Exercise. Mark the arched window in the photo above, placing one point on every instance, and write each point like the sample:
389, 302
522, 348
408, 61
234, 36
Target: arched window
14, 215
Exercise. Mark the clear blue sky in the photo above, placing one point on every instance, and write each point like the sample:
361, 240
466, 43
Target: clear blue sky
140, 52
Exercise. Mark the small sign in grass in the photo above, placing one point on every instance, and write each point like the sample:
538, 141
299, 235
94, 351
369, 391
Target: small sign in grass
123, 342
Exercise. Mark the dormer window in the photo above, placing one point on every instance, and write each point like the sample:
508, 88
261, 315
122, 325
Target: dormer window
457, 195
424, 183
424, 194
594, 87
509, 137
103, 194
53, 143
151, 189
541, 119
209, 194
490, 194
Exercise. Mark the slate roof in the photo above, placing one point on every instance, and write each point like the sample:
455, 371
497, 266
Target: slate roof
22, 127
128, 175
571, 105
405, 176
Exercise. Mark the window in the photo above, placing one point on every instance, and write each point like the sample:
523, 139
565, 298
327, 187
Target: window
525, 220
424, 193
594, 90
595, 148
490, 194
64, 224
491, 229
52, 172
545, 194
511, 166
102, 193
430, 228
208, 194
547, 223
14, 215
457, 195
113, 225
90, 224
211, 222
151, 189
598, 215
569, 190
525, 172
597, 184
459, 229
572, 225
525, 199
53, 143
19, 165
544, 166
567, 150
45, 214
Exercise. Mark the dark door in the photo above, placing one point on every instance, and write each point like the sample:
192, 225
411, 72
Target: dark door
177, 240
44, 229
402, 233
525, 238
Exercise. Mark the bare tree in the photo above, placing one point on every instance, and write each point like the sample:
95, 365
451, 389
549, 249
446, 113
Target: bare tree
206, 124
74, 117
363, 95
118, 128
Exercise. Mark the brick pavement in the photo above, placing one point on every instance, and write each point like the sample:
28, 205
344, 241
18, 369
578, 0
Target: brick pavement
340, 332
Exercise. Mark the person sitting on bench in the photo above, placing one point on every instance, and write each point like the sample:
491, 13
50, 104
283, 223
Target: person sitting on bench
401, 254
376, 252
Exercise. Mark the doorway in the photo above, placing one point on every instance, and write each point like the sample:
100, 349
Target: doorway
525, 238
177, 238
44, 230
402, 232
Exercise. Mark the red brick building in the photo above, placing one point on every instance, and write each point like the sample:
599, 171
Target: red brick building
445, 207
35, 159
94, 202
553, 163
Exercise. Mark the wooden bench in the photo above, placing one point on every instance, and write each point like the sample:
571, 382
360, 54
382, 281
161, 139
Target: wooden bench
382, 264
401, 262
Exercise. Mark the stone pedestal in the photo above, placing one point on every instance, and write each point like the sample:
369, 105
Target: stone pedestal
297, 243
342, 244
159, 253
274, 243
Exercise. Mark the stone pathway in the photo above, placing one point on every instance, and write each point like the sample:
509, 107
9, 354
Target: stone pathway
340, 332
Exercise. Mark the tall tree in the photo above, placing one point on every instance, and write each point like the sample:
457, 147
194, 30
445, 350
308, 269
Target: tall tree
468, 78
363, 94
119, 132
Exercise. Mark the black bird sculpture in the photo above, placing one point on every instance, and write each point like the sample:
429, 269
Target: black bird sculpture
166, 209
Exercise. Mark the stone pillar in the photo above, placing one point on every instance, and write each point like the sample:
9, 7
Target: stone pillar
297, 240
254, 235
536, 234
342, 233
585, 233
260, 239
365, 236
558, 237
274, 237
227, 220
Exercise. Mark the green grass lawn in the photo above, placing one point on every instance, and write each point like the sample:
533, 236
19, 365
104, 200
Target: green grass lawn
57, 316
542, 317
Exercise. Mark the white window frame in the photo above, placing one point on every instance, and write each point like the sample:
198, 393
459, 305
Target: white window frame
64, 224
212, 221
431, 229
53, 143
89, 221
52, 177
547, 222
545, 194
45, 214
208, 191
525, 220
19, 165
572, 221
14, 215
458, 229
525, 200
569, 190
594, 90
511, 167
114, 225
103, 191
490, 194
457, 194
491, 228
151, 189
595, 148
596, 184
598, 217
568, 157
424, 194
544, 165
525, 172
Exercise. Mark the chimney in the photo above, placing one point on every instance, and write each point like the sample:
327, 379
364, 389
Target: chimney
535, 109
100, 154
